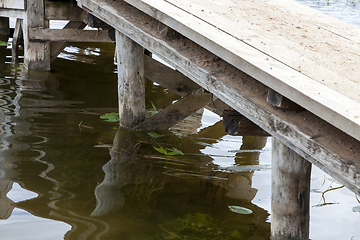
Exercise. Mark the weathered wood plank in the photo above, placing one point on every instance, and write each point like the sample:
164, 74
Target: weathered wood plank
278, 100
131, 81
36, 54
16, 39
15, 13
288, 81
69, 35
290, 194
14, 4
314, 139
63, 11
176, 112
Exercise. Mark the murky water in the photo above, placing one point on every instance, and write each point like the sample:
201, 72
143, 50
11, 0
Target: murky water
67, 174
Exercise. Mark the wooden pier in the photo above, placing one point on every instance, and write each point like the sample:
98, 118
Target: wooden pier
289, 69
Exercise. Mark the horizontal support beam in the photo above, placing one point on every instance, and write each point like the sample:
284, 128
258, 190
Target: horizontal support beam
309, 92
322, 144
14, 13
69, 35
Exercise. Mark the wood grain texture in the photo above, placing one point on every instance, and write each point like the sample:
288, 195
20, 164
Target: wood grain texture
131, 81
15, 13
308, 135
290, 194
36, 54
69, 35
219, 35
176, 112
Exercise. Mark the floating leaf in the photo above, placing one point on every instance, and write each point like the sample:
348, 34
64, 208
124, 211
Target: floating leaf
3, 44
110, 117
175, 150
169, 151
240, 210
154, 135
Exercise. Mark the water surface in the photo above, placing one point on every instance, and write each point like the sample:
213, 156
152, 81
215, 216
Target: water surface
67, 174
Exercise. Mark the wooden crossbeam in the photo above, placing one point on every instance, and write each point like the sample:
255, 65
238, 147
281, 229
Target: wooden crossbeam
69, 35
177, 111
57, 47
302, 131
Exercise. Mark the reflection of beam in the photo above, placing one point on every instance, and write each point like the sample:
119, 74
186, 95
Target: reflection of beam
177, 111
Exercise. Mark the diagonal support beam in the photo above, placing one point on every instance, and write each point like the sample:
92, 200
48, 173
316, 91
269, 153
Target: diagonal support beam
177, 111
57, 47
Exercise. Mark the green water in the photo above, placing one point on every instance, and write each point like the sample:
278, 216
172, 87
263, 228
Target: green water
75, 176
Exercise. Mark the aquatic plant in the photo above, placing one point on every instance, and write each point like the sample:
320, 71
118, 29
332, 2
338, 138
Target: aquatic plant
154, 110
240, 210
110, 117
169, 151
197, 226
3, 44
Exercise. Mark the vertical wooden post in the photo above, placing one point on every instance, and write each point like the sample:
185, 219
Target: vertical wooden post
4, 26
36, 54
131, 82
16, 39
290, 198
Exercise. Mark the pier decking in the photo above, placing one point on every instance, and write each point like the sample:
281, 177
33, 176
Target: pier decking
243, 52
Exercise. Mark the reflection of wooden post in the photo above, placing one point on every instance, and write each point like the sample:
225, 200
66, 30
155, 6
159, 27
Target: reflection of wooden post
36, 54
131, 82
290, 198
109, 198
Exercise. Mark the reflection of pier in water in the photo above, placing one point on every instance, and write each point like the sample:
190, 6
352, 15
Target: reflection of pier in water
135, 178
20, 138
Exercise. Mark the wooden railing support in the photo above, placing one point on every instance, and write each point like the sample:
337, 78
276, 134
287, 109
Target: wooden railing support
290, 197
131, 81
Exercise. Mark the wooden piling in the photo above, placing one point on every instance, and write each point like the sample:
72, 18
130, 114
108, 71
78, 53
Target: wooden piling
290, 198
131, 82
36, 54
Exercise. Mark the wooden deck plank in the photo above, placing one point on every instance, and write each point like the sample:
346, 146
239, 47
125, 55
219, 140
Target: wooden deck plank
14, 4
312, 94
314, 139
